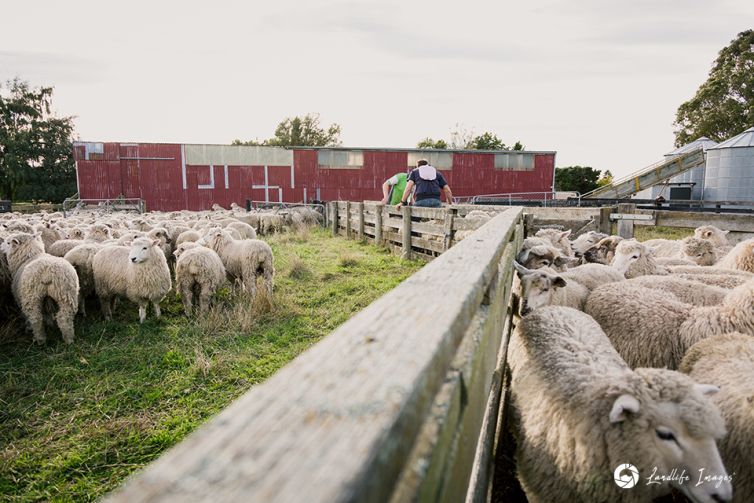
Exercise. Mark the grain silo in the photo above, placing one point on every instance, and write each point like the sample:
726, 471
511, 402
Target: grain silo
730, 169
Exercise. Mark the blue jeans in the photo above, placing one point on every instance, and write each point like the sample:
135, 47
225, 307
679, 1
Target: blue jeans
428, 203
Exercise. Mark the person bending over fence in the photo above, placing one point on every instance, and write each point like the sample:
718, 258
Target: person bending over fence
429, 183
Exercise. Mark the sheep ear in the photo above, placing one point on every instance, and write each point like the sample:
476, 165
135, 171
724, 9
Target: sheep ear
558, 282
521, 270
524, 255
623, 404
567, 261
565, 234
156, 242
707, 389
725, 233
15, 241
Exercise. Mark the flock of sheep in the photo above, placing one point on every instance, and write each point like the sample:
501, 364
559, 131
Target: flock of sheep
640, 353
52, 264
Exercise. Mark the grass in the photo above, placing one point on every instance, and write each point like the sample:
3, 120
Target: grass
646, 232
76, 420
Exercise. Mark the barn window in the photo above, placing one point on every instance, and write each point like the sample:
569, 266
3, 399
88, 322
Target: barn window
340, 159
440, 160
514, 161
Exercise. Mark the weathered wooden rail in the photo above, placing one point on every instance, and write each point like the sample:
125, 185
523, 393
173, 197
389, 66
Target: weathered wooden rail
400, 403
431, 231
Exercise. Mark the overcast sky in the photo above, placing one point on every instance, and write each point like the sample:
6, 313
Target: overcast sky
598, 81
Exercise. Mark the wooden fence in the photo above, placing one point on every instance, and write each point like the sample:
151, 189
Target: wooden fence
400, 403
431, 231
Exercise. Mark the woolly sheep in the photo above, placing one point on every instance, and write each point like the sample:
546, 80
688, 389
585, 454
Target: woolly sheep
694, 269
139, 273
537, 252
162, 234
740, 257
592, 275
667, 261
685, 290
197, 269
188, 236
586, 241
39, 278
603, 251
717, 236
558, 238
244, 260
545, 287
80, 258
245, 230
699, 251
579, 413
654, 329
99, 233
49, 233
720, 280
129, 236
664, 247
633, 259
61, 247
270, 223
727, 361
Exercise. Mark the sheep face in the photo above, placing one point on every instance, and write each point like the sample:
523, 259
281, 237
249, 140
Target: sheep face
161, 234
711, 233
699, 251
603, 251
141, 250
216, 239
676, 431
537, 288
185, 246
627, 253
582, 243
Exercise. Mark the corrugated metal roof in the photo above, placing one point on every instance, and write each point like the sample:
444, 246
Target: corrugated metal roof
745, 139
703, 142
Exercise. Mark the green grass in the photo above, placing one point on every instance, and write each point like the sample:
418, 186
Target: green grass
646, 232
76, 420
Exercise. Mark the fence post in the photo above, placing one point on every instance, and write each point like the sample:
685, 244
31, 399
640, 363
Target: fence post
528, 224
605, 226
449, 216
406, 212
334, 217
626, 227
361, 221
348, 219
378, 224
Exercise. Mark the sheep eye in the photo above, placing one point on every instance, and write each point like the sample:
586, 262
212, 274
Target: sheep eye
665, 435
635, 256
144, 248
545, 289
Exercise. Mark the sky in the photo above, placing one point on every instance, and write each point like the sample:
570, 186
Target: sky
598, 81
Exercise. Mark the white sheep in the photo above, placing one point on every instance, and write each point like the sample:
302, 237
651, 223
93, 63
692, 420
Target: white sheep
698, 251
717, 236
39, 278
585, 241
593, 275
664, 247
719, 280
245, 230
579, 413
81, 258
727, 361
558, 239
603, 251
740, 257
650, 328
545, 287
188, 236
538, 252
198, 271
139, 273
244, 260
633, 259
685, 290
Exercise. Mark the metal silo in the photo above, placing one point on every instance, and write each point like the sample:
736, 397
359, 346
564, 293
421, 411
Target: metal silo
693, 176
730, 169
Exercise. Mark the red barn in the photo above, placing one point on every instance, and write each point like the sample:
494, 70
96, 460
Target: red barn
175, 177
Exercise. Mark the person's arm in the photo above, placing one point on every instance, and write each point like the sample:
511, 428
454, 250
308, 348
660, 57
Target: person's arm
385, 191
448, 194
406, 193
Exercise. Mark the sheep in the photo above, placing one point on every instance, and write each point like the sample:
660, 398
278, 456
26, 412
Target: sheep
61, 247
740, 257
249, 218
246, 231
139, 273
579, 412
667, 261
270, 223
586, 241
694, 269
99, 233
720, 280
75, 233
187, 236
592, 275
129, 236
654, 329
243, 260
664, 247
727, 361
699, 251
544, 287
558, 239
49, 233
717, 236
685, 290
197, 269
80, 258
538, 252
162, 234
633, 259
603, 251
39, 278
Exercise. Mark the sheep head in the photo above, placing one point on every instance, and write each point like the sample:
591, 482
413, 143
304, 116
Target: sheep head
142, 250
537, 287
717, 236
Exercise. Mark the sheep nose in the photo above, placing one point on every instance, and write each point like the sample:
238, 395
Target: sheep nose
525, 310
133, 259
722, 499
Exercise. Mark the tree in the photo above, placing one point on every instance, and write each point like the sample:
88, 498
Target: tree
430, 143
605, 179
724, 105
581, 179
36, 147
460, 137
300, 132
490, 141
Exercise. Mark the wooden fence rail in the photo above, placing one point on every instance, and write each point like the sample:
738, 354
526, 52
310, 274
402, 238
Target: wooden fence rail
398, 404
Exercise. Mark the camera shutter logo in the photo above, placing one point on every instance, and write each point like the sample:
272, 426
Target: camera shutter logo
626, 476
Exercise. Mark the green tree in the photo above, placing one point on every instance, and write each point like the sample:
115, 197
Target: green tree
490, 141
605, 179
430, 143
724, 105
579, 179
36, 151
300, 132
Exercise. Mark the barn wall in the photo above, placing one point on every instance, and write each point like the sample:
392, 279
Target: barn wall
172, 176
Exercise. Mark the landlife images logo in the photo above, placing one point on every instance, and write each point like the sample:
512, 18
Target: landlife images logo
626, 476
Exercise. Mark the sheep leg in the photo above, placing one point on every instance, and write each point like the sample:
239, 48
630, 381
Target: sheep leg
205, 297
142, 312
65, 323
187, 298
156, 306
250, 283
107, 309
268, 272
82, 305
